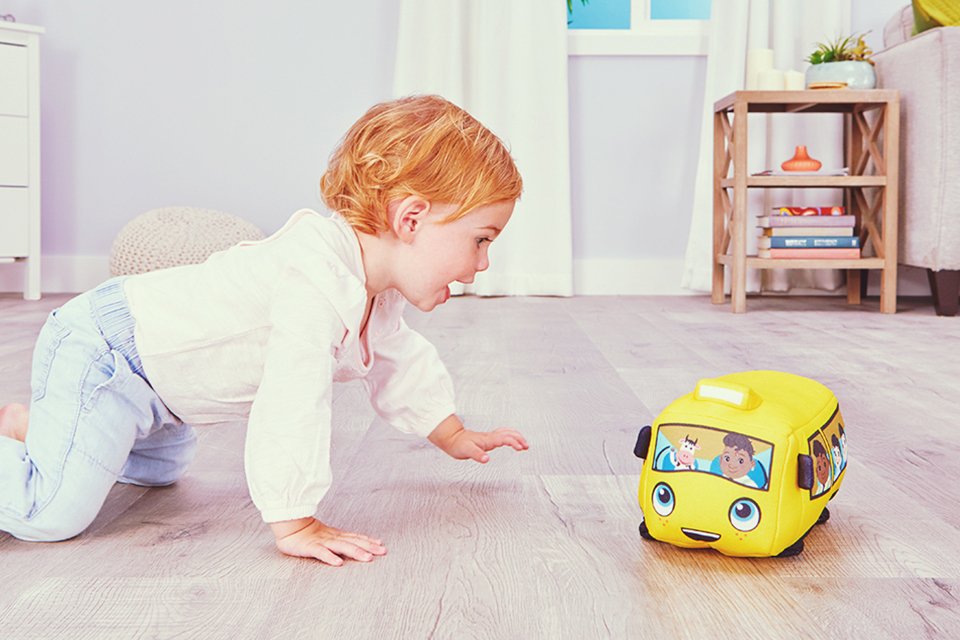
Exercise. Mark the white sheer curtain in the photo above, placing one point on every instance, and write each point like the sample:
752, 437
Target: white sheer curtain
505, 61
792, 30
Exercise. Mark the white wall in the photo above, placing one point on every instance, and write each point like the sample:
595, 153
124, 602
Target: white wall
634, 140
235, 105
232, 105
635, 135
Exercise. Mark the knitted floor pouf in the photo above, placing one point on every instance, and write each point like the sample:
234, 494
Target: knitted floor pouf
174, 236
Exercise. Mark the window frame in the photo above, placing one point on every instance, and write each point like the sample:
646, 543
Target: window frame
645, 37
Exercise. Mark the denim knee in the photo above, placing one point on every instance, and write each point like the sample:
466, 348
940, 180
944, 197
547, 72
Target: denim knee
55, 525
161, 458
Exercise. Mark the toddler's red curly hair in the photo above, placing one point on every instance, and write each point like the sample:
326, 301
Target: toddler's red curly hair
419, 145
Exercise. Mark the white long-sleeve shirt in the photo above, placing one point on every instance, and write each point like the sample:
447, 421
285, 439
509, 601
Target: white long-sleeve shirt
259, 332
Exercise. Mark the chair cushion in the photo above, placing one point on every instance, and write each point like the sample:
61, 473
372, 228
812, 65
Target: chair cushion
174, 236
928, 14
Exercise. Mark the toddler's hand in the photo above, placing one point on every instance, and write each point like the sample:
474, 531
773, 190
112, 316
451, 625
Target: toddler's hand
310, 538
474, 445
464, 444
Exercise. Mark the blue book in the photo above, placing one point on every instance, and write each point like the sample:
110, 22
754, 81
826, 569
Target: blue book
808, 242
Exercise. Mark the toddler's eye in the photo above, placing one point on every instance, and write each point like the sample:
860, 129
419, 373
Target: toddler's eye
480, 241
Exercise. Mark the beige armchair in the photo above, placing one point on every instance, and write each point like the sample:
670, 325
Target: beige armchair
926, 70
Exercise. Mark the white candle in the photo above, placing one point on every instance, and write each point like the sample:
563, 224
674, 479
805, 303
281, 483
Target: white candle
770, 80
757, 60
793, 80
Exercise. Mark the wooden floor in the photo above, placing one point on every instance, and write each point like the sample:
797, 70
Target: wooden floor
542, 544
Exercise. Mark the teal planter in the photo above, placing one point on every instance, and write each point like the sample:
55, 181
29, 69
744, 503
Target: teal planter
856, 73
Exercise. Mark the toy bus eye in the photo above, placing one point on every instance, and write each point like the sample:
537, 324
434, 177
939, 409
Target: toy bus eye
744, 514
663, 501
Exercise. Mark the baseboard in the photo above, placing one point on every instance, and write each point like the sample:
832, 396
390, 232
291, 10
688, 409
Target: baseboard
662, 278
591, 277
911, 281
654, 277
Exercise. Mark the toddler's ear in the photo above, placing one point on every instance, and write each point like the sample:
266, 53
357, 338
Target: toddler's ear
407, 215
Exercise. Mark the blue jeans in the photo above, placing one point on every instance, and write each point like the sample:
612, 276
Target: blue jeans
94, 420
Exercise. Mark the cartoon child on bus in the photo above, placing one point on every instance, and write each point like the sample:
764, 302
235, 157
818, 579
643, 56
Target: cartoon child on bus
822, 467
737, 461
837, 450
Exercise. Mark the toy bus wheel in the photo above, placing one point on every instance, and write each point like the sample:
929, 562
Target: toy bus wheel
644, 533
824, 516
795, 549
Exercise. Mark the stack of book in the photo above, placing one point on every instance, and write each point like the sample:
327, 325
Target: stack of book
808, 232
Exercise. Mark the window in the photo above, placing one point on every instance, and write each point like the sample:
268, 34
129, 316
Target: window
599, 14
638, 27
679, 9
727, 454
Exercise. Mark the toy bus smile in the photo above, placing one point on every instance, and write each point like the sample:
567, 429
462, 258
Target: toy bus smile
701, 536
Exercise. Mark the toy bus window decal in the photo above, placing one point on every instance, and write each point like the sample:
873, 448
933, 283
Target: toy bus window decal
728, 454
828, 448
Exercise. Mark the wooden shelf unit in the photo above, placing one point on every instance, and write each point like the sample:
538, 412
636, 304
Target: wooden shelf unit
871, 167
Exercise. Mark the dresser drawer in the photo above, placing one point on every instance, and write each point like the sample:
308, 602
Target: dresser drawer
14, 222
14, 80
14, 151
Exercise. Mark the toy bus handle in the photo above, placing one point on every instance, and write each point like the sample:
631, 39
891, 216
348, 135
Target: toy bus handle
643, 443
732, 394
804, 471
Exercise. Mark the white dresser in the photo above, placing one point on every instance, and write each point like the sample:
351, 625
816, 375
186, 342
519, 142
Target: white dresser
20, 152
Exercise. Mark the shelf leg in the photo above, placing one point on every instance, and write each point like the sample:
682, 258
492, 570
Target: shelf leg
716, 294
738, 234
853, 286
891, 153
888, 290
719, 155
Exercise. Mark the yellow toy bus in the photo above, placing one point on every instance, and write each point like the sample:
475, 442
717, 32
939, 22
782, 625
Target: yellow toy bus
744, 464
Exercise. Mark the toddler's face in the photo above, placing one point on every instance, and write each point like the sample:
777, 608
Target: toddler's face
442, 253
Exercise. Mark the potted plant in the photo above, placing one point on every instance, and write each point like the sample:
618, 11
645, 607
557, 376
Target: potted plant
845, 60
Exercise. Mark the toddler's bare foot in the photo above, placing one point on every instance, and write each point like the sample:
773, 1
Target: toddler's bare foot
14, 420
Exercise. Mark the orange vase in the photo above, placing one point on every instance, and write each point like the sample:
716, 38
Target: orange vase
801, 161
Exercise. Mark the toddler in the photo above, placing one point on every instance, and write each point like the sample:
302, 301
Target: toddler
122, 374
